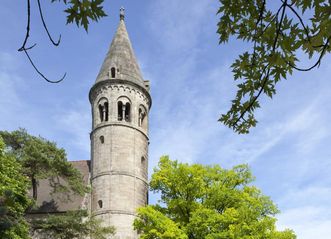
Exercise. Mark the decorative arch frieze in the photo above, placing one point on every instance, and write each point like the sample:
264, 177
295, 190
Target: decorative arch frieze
136, 93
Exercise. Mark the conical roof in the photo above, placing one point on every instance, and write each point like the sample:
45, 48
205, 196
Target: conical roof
121, 56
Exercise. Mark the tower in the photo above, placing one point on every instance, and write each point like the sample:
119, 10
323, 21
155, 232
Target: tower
120, 102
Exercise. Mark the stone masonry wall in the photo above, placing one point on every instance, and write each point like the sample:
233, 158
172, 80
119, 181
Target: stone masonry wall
119, 152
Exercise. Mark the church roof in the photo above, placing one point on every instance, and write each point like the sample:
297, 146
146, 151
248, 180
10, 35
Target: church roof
121, 56
59, 202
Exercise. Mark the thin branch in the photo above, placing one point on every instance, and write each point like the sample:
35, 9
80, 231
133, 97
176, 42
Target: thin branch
261, 14
27, 29
318, 62
259, 20
41, 74
241, 117
275, 18
27, 48
279, 25
45, 26
300, 20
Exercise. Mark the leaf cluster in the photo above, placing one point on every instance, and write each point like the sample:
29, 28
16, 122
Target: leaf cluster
42, 159
83, 11
13, 197
207, 202
277, 36
25, 158
71, 225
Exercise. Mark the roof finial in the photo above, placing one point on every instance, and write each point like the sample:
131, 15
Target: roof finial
122, 13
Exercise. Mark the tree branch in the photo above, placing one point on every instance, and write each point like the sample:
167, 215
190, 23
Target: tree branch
259, 20
25, 49
27, 29
41, 74
300, 20
45, 26
279, 25
318, 62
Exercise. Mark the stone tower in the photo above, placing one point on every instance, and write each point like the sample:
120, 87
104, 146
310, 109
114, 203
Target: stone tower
120, 102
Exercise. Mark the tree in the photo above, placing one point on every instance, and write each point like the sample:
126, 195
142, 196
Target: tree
277, 36
13, 197
41, 159
72, 225
207, 202
25, 159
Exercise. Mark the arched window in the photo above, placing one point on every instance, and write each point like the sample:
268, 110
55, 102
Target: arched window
124, 109
142, 119
100, 203
113, 72
103, 109
127, 112
119, 110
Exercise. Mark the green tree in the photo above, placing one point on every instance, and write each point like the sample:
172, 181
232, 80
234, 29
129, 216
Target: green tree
207, 202
13, 197
41, 159
72, 225
278, 35
25, 159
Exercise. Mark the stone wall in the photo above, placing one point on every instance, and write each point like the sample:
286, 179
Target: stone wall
119, 150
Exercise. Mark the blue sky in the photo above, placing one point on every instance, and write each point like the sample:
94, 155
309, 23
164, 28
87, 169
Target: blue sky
177, 48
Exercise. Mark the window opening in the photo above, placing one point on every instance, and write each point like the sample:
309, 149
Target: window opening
127, 112
102, 139
144, 166
100, 203
113, 72
101, 112
119, 110
142, 114
106, 110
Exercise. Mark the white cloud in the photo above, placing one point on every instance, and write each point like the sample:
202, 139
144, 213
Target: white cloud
179, 23
184, 127
75, 122
307, 222
11, 105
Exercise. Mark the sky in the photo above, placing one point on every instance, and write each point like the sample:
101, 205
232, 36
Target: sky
177, 48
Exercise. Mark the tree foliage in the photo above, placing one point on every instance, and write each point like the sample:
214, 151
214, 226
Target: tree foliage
71, 225
83, 11
13, 197
207, 202
277, 36
41, 159
26, 159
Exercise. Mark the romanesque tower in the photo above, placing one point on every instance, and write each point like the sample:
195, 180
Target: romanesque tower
120, 103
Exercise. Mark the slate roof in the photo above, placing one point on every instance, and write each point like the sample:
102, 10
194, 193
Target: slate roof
58, 202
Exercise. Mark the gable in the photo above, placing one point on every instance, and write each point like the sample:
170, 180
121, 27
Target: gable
62, 202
